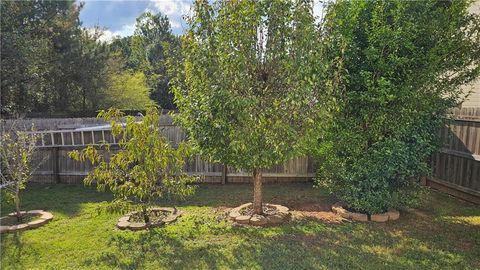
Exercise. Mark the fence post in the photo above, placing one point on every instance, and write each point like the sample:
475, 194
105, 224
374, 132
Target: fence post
56, 165
224, 174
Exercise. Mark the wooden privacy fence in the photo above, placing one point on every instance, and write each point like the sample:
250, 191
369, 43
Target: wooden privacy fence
456, 167
58, 167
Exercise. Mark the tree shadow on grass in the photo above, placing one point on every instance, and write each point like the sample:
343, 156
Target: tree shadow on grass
201, 239
61, 198
233, 195
15, 252
69, 198
199, 242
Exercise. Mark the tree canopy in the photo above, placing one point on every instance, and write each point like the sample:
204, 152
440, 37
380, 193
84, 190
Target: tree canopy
153, 50
51, 65
145, 168
251, 90
403, 63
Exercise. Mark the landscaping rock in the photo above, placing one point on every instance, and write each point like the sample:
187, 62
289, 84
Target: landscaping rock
47, 216
4, 229
36, 223
338, 208
15, 213
243, 219
379, 217
39, 212
275, 219
279, 215
281, 208
345, 214
393, 214
137, 226
124, 218
43, 218
125, 223
19, 227
359, 217
169, 219
234, 214
258, 220
244, 205
122, 225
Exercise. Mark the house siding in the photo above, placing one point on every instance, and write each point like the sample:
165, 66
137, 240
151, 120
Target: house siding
473, 99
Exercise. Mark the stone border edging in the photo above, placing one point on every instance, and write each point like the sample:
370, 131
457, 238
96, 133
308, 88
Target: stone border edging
392, 214
44, 218
124, 223
282, 215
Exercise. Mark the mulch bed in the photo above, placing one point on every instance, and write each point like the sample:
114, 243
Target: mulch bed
154, 216
273, 214
30, 220
267, 210
13, 220
159, 216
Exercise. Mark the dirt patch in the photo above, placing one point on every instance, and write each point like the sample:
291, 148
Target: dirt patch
154, 216
273, 214
316, 211
266, 209
159, 216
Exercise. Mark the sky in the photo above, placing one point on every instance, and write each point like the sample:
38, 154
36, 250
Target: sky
118, 16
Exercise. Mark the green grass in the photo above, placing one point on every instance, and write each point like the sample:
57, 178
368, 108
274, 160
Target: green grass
444, 233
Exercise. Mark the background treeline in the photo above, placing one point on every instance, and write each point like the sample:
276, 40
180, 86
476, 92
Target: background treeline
52, 66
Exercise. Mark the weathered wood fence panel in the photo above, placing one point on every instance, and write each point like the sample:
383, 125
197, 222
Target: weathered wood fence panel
456, 167
58, 167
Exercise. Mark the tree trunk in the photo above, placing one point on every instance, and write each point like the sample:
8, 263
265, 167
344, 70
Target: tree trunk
17, 202
257, 192
146, 218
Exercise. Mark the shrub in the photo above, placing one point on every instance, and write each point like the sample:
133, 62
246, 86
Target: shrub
403, 63
145, 168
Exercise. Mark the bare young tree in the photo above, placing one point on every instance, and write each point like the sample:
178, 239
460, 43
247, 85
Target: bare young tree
16, 160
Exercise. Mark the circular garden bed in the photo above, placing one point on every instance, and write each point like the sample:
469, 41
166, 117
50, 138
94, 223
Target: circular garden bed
30, 220
272, 214
340, 209
158, 216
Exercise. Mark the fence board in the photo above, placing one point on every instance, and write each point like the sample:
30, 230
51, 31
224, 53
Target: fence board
456, 167
61, 169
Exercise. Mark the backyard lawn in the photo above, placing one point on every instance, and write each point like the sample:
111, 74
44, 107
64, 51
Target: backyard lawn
443, 233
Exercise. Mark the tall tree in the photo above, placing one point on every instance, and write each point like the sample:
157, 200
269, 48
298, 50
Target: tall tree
127, 91
154, 50
49, 63
251, 91
403, 63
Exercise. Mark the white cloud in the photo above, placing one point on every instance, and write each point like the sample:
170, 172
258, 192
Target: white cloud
318, 10
172, 7
108, 36
127, 30
175, 24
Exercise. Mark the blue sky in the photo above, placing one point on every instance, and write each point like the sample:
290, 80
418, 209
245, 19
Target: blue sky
118, 16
